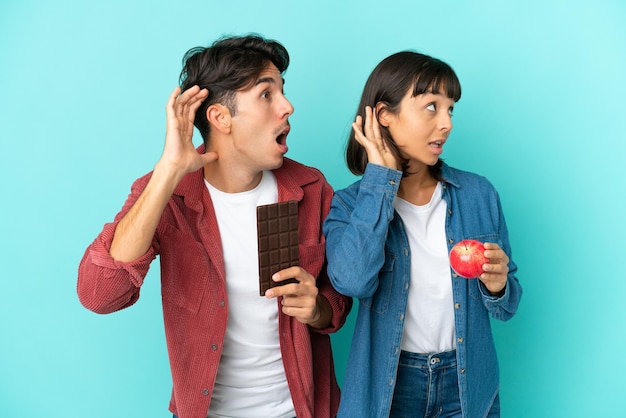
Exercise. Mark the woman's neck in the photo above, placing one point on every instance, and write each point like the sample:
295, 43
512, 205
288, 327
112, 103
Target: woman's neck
418, 188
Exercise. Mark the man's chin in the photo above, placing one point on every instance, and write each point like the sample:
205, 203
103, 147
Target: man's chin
279, 164
276, 164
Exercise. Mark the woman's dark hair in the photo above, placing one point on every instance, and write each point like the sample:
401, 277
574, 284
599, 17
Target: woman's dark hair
229, 65
388, 84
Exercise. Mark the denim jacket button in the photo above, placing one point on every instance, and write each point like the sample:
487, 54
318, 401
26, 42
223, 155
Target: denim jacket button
457, 305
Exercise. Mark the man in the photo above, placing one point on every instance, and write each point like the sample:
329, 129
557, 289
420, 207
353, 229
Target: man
232, 352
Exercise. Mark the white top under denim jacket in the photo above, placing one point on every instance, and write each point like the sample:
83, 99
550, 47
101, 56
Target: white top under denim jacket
369, 258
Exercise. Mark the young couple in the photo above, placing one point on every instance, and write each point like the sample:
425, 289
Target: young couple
422, 343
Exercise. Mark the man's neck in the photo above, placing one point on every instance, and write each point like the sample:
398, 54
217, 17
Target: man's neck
229, 179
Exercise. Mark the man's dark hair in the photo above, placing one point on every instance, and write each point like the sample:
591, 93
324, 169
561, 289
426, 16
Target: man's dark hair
229, 65
389, 82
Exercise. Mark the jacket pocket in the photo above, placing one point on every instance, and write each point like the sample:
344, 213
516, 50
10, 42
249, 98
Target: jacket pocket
185, 269
379, 302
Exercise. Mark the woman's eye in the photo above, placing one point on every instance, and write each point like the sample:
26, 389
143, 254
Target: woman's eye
265, 94
451, 111
431, 107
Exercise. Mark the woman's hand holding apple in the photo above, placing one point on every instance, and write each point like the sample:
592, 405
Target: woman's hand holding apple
496, 271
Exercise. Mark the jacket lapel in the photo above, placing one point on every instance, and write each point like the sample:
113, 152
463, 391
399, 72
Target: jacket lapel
197, 199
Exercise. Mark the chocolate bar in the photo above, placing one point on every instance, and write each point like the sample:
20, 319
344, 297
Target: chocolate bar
277, 233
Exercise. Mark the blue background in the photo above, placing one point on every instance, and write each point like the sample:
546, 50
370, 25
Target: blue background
83, 87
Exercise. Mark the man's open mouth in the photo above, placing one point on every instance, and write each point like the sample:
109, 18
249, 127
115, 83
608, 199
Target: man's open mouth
282, 137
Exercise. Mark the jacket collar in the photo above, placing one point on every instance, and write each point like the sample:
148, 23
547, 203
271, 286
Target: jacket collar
449, 176
291, 178
191, 188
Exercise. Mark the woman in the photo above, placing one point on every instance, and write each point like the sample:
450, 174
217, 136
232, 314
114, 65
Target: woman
422, 344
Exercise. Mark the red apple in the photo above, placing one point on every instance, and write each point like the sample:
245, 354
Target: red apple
467, 258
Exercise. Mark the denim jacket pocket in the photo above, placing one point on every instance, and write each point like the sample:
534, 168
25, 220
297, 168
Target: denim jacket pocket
379, 302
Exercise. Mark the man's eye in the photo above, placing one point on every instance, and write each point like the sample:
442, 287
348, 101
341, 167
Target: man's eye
265, 94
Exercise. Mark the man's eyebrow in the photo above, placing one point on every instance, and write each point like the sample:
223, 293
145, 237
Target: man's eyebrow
270, 80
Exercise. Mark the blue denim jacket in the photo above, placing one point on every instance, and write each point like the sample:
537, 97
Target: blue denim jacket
369, 258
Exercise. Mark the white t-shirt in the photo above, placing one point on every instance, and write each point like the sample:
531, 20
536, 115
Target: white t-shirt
429, 323
251, 379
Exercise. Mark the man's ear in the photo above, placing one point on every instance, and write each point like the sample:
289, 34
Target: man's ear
383, 113
219, 117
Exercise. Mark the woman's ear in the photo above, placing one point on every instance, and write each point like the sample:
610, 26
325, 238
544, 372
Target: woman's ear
383, 113
219, 117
